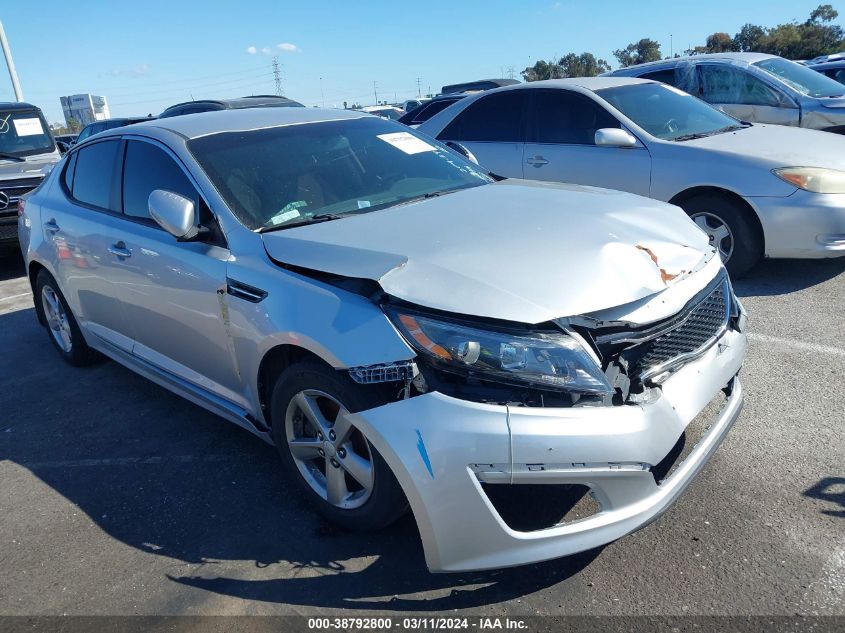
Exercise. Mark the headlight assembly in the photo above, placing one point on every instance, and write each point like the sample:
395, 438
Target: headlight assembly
540, 360
815, 179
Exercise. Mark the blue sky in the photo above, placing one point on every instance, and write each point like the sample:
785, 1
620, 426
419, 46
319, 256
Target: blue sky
144, 56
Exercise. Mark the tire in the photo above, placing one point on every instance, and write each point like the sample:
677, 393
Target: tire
711, 212
60, 323
317, 388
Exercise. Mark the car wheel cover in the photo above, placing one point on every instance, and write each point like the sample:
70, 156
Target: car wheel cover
718, 231
333, 457
57, 320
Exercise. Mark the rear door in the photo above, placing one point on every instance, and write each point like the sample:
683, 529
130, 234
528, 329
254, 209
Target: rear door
561, 145
493, 129
740, 94
83, 226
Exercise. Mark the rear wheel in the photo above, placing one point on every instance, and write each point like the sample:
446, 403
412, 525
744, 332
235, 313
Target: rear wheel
730, 229
335, 466
61, 324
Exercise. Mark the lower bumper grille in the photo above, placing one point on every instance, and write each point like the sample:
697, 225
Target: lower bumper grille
531, 507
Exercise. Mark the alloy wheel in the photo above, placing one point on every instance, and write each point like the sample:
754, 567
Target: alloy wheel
332, 456
718, 231
57, 320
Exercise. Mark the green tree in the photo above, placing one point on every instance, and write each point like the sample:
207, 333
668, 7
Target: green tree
543, 70
73, 125
646, 50
719, 43
749, 38
583, 65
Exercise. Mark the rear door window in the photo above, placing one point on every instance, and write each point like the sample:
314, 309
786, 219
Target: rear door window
563, 116
665, 76
496, 118
92, 178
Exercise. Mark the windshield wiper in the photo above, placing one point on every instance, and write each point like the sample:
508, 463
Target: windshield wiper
722, 130
14, 157
314, 219
690, 137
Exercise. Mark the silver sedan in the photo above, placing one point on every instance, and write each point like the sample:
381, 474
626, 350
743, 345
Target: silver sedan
405, 330
754, 189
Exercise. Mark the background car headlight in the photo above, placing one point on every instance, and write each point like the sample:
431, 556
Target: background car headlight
542, 360
815, 179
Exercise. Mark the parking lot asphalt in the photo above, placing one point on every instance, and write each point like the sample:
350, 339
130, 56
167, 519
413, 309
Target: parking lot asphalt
117, 497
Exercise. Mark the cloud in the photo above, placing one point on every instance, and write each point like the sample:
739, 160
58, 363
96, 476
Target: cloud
141, 70
266, 51
285, 47
557, 5
251, 50
288, 47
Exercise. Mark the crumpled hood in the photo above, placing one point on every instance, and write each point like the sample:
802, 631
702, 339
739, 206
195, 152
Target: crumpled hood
779, 145
516, 250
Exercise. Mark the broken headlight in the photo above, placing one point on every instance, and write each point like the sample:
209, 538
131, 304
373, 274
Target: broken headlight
543, 360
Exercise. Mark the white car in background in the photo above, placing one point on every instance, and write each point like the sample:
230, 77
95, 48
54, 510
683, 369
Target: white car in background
754, 189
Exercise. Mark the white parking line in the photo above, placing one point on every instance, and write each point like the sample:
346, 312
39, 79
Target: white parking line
23, 294
802, 345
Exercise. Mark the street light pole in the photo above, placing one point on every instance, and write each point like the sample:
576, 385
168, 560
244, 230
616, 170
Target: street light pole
10, 64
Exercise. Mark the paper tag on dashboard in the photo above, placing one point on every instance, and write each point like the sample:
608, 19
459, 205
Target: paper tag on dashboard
408, 143
28, 127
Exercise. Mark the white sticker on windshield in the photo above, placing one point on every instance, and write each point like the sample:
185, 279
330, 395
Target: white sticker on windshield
363, 204
408, 143
28, 127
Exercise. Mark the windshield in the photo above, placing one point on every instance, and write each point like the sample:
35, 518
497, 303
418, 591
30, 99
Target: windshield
803, 79
23, 133
666, 112
286, 175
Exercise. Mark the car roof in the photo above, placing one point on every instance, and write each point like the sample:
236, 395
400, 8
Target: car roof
839, 63
17, 105
587, 83
244, 119
241, 102
747, 58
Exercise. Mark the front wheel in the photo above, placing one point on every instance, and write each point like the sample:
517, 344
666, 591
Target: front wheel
730, 230
333, 463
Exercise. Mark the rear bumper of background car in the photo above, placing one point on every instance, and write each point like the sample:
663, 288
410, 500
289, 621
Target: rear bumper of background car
453, 456
802, 225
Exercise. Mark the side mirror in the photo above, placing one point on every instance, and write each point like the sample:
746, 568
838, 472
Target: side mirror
463, 151
615, 137
174, 213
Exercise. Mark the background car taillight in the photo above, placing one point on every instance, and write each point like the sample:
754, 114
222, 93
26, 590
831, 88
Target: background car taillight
21, 206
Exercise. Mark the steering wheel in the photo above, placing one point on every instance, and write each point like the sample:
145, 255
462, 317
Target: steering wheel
671, 126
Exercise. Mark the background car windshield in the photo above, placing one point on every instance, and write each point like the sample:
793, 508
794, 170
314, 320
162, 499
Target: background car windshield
666, 112
281, 175
23, 133
801, 78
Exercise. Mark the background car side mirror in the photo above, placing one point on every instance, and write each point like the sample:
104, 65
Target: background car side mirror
174, 213
463, 151
615, 137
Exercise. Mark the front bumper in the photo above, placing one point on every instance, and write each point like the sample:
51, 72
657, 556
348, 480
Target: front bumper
441, 449
802, 225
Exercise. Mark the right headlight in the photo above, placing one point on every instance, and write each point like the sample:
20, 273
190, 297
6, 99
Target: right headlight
815, 179
536, 359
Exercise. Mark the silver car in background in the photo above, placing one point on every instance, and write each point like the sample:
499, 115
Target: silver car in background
536, 369
753, 87
754, 189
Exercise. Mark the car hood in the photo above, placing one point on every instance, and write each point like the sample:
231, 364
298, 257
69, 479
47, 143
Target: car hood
515, 250
778, 145
832, 102
36, 166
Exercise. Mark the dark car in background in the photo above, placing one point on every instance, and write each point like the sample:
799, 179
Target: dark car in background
108, 124
209, 105
833, 69
27, 154
450, 94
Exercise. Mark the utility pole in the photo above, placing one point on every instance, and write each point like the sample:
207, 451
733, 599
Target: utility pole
671, 47
10, 64
511, 71
418, 87
322, 94
375, 92
277, 75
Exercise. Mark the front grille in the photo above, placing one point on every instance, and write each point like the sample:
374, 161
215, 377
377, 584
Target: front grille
8, 231
703, 323
12, 190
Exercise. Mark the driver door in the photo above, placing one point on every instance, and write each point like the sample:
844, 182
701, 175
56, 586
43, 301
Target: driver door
743, 96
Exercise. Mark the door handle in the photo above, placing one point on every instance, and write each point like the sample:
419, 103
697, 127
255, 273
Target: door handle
120, 250
538, 161
51, 226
